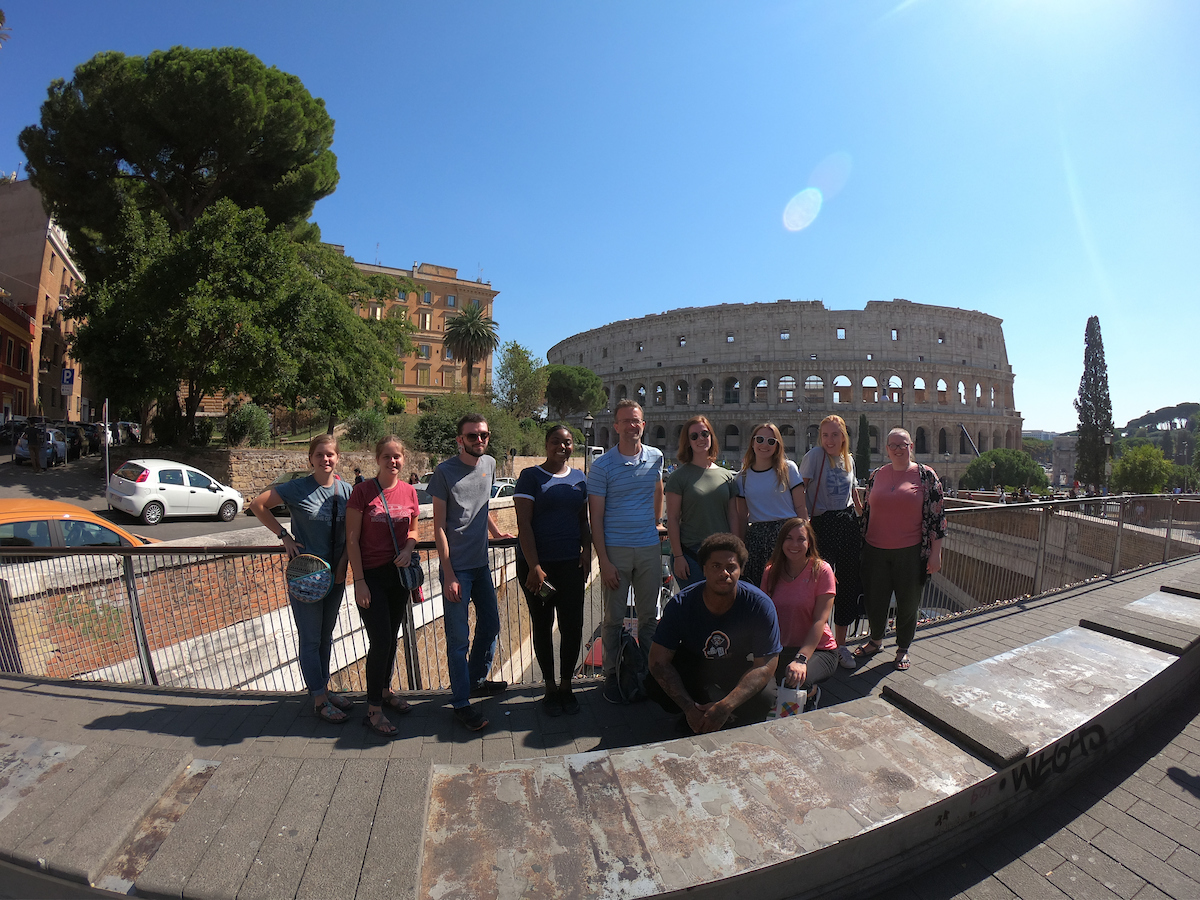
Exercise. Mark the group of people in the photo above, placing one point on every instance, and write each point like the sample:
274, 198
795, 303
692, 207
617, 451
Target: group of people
762, 558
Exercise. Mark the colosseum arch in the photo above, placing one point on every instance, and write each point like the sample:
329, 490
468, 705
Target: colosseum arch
660, 394
812, 434
640, 395
870, 390
682, 393
789, 438
919, 441
622, 393
732, 440
660, 437
938, 349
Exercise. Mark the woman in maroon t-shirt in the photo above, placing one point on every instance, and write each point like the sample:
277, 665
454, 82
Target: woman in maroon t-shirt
381, 534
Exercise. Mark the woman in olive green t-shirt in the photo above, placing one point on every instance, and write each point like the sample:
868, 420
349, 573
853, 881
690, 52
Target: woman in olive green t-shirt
700, 498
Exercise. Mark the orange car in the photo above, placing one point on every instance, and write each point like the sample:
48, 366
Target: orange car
48, 523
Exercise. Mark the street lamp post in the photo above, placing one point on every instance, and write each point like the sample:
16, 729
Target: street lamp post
1108, 452
588, 421
899, 389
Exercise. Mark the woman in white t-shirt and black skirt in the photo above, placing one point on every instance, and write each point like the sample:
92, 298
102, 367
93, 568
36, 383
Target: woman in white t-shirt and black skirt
770, 491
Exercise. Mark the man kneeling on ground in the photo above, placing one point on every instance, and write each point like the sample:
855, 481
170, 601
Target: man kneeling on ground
716, 645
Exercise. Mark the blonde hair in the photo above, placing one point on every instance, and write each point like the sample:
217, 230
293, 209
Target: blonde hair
847, 459
390, 439
778, 459
319, 441
778, 561
684, 453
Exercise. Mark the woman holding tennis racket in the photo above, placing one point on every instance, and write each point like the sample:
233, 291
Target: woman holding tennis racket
381, 534
316, 564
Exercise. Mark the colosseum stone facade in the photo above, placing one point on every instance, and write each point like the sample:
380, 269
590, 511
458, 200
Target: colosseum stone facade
942, 373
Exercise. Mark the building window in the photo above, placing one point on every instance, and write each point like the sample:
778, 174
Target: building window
398, 377
427, 297
424, 351
425, 320
682, 393
812, 356
447, 353
733, 392
706, 389
423, 376
870, 356
682, 341
581, 359
785, 335
841, 389
603, 353
729, 337
787, 389
814, 389
660, 394
941, 337
22, 358
841, 334
979, 342
639, 346
8, 353
895, 334
451, 300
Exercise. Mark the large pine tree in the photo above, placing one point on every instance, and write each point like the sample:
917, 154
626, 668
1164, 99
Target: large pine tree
1094, 407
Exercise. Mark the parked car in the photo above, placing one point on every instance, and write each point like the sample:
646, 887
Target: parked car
92, 431
56, 453
76, 440
283, 478
153, 488
503, 489
11, 430
48, 523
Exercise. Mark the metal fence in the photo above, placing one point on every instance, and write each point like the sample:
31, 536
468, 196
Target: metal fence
219, 618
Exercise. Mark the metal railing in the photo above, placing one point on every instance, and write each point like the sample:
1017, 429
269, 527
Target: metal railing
220, 619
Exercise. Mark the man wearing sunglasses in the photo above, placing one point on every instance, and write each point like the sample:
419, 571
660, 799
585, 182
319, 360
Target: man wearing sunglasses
460, 489
625, 501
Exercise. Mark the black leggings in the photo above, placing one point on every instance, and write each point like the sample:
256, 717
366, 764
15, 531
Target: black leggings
820, 667
568, 580
382, 619
839, 541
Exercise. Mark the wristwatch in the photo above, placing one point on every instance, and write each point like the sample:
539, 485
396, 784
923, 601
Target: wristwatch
801, 658
283, 533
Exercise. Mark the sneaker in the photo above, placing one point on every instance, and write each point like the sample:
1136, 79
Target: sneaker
814, 698
846, 658
569, 704
471, 718
612, 690
487, 688
552, 705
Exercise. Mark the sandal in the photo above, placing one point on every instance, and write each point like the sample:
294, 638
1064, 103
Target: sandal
902, 662
331, 713
342, 703
382, 727
867, 650
397, 704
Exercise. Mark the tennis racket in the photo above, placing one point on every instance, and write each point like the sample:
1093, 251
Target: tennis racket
308, 578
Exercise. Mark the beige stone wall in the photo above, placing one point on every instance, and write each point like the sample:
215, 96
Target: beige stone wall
686, 361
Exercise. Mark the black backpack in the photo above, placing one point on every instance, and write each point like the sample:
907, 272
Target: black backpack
631, 669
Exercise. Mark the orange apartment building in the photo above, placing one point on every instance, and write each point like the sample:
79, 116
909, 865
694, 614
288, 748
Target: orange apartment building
431, 370
37, 275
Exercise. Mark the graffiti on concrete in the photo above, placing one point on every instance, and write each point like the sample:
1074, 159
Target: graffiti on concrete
1034, 772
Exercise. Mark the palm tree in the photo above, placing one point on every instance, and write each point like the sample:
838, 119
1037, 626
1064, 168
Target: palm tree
471, 335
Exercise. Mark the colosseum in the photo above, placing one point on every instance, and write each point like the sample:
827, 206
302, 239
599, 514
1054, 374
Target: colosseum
942, 373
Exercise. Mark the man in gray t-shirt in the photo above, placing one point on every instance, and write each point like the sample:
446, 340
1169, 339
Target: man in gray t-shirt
461, 488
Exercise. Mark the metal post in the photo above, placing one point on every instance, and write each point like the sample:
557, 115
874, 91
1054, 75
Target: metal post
149, 676
1116, 563
411, 663
1043, 535
1170, 522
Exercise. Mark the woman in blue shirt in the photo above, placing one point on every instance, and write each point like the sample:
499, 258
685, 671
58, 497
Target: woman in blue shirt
554, 557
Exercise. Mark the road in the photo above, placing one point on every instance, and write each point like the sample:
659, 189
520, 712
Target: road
82, 482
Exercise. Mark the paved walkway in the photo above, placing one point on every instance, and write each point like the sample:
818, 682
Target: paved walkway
1130, 830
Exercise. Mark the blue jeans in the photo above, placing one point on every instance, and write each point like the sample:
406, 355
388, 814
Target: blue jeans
315, 623
476, 587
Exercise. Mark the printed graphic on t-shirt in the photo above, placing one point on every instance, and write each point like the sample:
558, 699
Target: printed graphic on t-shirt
717, 645
837, 489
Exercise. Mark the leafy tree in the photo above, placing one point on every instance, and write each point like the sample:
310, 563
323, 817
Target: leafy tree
1180, 415
520, 383
862, 452
173, 133
1014, 468
574, 389
1094, 407
1041, 451
471, 336
248, 425
4, 29
1141, 471
1167, 445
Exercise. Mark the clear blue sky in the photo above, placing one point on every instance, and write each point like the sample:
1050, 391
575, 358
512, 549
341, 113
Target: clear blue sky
1033, 159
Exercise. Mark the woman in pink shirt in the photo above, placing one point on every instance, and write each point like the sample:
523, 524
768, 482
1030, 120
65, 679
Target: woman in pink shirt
802, 587
903, 525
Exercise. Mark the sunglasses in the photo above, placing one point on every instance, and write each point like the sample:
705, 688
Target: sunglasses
759, 439
896, 446
480, 436
700, 435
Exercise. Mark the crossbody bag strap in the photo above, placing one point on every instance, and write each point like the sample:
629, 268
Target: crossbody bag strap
387, 512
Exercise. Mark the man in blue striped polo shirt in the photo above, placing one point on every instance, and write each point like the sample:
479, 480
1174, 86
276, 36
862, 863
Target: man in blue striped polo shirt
625, 500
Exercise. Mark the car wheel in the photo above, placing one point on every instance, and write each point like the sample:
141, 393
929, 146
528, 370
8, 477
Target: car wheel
152, 513
228, 511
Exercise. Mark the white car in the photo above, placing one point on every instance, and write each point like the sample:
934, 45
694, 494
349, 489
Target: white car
153, 488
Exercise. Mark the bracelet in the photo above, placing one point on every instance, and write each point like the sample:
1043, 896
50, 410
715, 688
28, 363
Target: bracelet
677, 556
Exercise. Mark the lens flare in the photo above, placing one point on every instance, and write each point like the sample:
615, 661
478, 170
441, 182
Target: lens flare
802, 209
831, 174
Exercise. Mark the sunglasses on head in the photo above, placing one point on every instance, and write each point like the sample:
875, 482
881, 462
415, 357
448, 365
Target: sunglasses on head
759, 439
698, 435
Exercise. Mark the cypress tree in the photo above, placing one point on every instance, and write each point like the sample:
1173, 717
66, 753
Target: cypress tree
1094, 407
862, 453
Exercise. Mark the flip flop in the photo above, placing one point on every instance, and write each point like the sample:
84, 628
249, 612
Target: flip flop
397, 704
383, 727
866, 651
331, 713
902, 662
